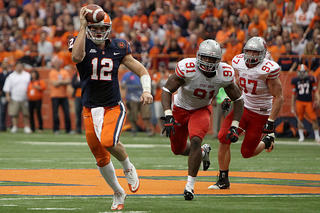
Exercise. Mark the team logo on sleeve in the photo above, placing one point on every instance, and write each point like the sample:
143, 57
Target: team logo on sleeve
121, 45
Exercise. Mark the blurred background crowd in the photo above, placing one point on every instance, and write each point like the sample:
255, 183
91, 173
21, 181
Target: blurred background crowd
37, 31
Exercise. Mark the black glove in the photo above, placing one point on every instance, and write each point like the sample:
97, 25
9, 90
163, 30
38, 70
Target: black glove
169, 123
233, 134
226, 104
268, 127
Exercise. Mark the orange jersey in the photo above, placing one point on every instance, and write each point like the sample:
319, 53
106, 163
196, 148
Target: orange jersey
59, 91
33, 93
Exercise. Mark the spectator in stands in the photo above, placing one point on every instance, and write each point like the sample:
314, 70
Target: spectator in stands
298, 44
77, 101
277, 49
156, 31
289, 17
117, 22
192, 45
313, 24
274, 17
259, 24
303, 17
174, 50
233, 47
15, 87
5, 72
249, 9
35, 94
140, 20
289, 60
45, 48
59, 79
131, 87
308, 56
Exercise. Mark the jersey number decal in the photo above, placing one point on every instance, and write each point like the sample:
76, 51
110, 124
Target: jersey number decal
201, 93
303, 88
105, 71
243, 83
189, 67
236, 61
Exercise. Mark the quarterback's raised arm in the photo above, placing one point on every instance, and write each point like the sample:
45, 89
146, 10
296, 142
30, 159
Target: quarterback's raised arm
78, 49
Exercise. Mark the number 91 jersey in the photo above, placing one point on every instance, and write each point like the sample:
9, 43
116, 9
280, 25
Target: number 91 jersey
198, 91
253, 82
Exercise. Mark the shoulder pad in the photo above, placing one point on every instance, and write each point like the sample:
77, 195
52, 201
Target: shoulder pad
186, 68
271, 68
236, 60
225, 72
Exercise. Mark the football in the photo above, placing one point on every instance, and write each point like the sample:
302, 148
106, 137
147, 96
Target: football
95, 13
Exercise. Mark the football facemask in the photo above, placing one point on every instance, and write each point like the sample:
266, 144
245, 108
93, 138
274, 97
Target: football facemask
255, 50
209, 56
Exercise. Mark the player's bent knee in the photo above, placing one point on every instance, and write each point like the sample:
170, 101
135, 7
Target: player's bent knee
101, 162
246, 153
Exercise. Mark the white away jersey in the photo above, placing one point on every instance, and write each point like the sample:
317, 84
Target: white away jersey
253, 82
198, 90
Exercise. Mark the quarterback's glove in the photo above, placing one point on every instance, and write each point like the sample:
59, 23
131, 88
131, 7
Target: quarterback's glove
226, 104
169, 123
233, 134
268, 127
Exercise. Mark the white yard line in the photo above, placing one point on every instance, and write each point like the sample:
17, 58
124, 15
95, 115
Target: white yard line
150, 145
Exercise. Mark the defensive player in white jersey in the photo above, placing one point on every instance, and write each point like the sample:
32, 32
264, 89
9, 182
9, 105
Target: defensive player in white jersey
259, 80
198, 81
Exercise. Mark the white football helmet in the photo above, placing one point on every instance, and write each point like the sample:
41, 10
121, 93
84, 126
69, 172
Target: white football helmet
255, 44
302, 71
209, 48
96, 36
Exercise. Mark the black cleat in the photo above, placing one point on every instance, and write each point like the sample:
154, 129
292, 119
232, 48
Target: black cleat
222, 183
188, 193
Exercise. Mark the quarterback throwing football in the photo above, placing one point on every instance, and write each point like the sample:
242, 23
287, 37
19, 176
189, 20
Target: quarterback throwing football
198, 81
98, 59
259, 80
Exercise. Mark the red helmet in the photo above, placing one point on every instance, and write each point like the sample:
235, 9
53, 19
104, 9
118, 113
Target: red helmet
99, 36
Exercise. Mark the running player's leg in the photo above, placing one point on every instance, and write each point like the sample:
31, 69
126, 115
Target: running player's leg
102, 156
252, 144
301, 109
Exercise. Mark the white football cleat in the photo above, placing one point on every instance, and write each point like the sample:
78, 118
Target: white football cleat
132, 178
118, 201
301, 140
206, 160
14, 129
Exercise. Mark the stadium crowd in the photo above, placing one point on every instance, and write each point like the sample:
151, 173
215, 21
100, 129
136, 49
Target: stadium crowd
35, 31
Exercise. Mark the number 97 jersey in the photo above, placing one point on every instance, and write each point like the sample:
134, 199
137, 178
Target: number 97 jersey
198, 91
253, 82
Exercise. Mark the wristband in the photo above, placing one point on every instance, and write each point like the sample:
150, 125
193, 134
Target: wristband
235, 123
270, 120
146, 83
168, 112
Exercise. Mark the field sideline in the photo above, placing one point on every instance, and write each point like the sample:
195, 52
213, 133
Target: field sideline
57, 173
